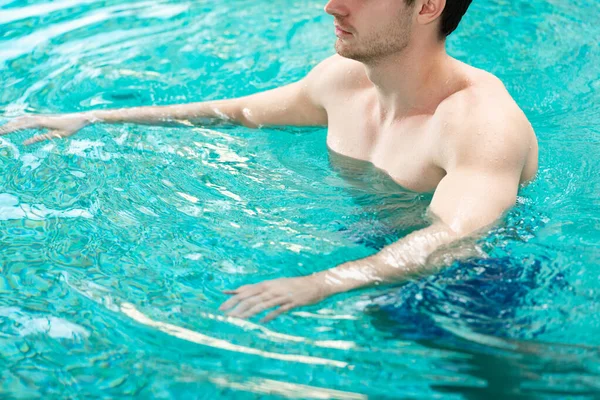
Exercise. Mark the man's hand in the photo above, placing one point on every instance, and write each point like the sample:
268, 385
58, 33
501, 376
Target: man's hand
284, 293
59, 126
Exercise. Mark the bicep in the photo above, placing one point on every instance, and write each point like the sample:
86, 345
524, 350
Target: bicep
467, 199
296, 104
484, 166
292, 104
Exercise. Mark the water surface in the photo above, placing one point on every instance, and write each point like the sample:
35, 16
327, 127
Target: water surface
116, 244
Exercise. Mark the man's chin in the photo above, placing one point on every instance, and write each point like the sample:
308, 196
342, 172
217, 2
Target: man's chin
344, 51
349, 55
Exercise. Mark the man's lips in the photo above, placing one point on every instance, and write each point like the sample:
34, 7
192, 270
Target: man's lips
339, 31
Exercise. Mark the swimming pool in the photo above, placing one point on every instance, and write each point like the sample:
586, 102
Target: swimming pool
116, 243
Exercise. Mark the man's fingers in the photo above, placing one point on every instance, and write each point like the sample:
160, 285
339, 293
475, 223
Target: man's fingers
35, 139
56, 134
249, 303
238, 290
21, 123
4, 129
245, 304
242, 293
274, 314
230, 303
260, 307
15, 127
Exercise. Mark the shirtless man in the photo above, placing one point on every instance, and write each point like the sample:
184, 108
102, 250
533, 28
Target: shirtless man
391, 96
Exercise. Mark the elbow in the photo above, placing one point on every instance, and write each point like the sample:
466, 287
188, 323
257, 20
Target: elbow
467, 221
232, 113
245, 118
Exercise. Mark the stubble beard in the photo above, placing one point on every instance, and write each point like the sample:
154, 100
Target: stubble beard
388, 41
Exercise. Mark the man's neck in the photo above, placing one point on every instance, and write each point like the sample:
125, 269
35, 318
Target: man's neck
412, 82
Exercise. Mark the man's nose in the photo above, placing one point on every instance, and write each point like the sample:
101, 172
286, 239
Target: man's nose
337, 8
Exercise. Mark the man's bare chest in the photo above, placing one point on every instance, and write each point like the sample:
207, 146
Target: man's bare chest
405, 153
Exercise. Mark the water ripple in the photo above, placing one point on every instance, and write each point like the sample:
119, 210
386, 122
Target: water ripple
115, 246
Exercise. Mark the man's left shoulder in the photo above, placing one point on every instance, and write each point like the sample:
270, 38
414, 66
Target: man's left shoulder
483, 120
483, 107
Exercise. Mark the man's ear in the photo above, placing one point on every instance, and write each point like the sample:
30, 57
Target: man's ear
430, 11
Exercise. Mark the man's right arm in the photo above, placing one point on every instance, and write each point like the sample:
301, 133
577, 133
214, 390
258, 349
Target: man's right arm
294, 104
298, 104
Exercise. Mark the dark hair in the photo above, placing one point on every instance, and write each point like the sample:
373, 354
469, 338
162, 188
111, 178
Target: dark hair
451, 16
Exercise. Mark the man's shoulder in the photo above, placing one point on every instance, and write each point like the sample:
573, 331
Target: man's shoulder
482, 120
337, 74
484, 104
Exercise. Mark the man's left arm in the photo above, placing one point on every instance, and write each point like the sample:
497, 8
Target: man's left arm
481, 183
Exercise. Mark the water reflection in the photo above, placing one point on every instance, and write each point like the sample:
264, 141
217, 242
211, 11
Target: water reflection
199, 338
474, 310
529, 371
390, 211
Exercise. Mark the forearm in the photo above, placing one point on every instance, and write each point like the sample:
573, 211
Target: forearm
409, 257
194, 113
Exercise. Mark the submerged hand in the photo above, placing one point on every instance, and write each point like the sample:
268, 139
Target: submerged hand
284, 293
59, 126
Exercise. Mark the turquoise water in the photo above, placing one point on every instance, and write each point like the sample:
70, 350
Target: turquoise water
115, 244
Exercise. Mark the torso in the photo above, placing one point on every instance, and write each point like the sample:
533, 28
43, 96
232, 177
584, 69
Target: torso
406, 149
388, 211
